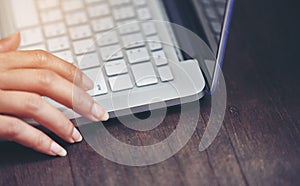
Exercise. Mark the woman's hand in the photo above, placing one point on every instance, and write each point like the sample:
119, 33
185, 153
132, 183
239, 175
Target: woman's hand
25, 76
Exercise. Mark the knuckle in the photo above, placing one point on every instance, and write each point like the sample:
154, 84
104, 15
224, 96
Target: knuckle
40, 140
14, 129
33, 103
72, 72
46, 78
40, 56
67, 129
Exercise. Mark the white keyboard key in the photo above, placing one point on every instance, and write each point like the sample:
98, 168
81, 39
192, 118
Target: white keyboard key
76, 18
116, 67
129, 27
31, 36
55, 29
138, 55
216, 27
154, 43
25, 13
34, 47
46, 4
103, 24
88, 61
124, 13
144, 14
107, 38
140, 2
58, 44
84, 46
121, 82
149, 28
51, 16
93, 1
160, 58
96, 75
119, 2
133, 40
111, 52
165, 73
80, 32
211, 13
71, 5
98, 10
65, 55
144, 74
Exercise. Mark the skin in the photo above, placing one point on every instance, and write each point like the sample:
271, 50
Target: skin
26, 76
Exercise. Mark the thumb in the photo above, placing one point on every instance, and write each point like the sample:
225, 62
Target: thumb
10, 43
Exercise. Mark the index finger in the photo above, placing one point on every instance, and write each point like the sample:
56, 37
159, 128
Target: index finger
39, 59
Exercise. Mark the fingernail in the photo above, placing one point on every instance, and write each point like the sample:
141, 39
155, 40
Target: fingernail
97, 113
87, 82
105, 117
57, 149
76, 135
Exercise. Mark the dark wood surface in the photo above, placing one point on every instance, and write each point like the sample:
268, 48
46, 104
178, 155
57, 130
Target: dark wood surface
258, 144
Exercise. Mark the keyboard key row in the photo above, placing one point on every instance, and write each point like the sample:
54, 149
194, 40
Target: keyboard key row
119, 79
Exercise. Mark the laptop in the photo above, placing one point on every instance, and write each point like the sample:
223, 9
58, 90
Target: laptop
124, 48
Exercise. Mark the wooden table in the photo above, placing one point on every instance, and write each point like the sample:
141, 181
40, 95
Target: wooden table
258, 144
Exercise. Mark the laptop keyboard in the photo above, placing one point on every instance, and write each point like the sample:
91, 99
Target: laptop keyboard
120, 59
214, 11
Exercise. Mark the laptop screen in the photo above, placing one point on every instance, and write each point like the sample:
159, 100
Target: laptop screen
210, 20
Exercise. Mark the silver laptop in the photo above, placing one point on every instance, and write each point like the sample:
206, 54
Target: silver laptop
124, 48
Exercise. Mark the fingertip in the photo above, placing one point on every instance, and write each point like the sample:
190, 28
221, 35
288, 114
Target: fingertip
57, 149
105, 116
18, 37
76, 135
98, 113
10, 43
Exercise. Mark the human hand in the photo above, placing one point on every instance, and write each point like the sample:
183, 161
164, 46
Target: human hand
25, 76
